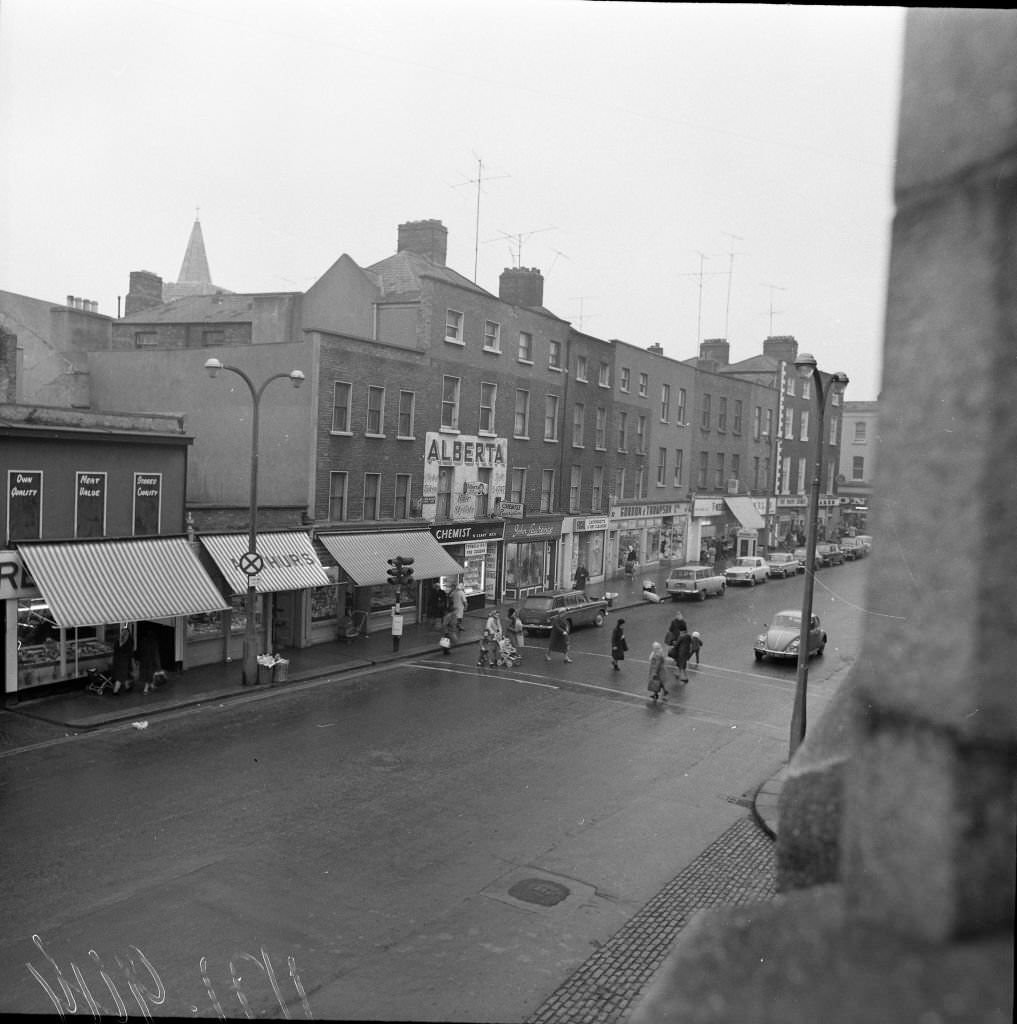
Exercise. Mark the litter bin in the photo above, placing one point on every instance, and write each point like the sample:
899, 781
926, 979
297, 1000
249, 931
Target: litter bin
264, 674
281, 671
610, 599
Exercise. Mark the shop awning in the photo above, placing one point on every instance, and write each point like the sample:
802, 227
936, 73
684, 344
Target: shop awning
87, 583
364, 556
745, 512
289, 561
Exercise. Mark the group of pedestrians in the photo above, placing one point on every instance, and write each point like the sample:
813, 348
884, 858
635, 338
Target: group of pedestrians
680, 646
500, 643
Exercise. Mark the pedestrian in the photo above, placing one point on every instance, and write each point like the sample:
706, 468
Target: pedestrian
581, 577
630, 562
680, 652
559, 639
696, 645
397, 626
489, 641
677, 626
655, 683
123, 655
458, 600
147, 656
618, 644
516, 632
439, 603
448, 631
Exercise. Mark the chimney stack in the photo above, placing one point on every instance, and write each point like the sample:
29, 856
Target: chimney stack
425, 238
716, 351
521, 286
145, 291
781, 346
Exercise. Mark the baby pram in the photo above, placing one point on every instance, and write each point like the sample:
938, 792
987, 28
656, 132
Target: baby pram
508, 656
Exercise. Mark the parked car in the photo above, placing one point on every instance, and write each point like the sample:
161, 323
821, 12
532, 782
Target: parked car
800, 555
829, 554
748, 569
783, 635
695, 581
853, 548
578, 608
783, 563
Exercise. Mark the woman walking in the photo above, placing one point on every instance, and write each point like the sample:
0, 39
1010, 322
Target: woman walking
618, 644
559, 640
516, 632
655, 683
681, 651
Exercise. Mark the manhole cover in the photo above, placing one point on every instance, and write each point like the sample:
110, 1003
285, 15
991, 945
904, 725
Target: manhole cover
539, 891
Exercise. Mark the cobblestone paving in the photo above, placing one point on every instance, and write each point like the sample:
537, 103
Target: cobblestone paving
738, 867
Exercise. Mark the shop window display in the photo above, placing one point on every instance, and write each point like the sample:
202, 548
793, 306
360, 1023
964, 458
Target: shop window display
49, 654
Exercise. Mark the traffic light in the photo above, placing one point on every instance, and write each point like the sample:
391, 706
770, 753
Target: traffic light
407, 572
395, 574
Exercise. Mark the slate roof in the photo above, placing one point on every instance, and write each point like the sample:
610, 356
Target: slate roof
224, 307
401, 275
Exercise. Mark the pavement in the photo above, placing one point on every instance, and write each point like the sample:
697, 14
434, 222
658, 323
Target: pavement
737, 868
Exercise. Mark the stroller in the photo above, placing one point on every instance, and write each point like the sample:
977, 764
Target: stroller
508, 656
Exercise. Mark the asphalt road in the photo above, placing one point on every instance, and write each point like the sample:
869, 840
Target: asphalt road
429, 842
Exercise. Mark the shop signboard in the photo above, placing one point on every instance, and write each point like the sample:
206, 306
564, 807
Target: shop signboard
147, 503
90, 505
24, 504
15, 579
532, 530
464, 507
460, 533
590, 524
510, 509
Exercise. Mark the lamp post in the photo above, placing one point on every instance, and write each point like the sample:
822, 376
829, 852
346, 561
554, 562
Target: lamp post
808, 370
213, 366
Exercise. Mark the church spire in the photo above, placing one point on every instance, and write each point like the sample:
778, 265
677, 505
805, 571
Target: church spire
194, 270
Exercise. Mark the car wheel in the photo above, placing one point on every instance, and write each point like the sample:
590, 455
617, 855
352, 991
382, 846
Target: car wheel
759, 655
702, 594
568, 622
752, 581
599, 619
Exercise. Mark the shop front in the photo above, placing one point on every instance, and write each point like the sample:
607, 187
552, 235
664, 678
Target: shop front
584, 542
474, 546
67, 605
362, 562
292, 592
725, 528
646, 534
531, 555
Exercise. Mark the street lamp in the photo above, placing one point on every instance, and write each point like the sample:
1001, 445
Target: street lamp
808, 370
213, 366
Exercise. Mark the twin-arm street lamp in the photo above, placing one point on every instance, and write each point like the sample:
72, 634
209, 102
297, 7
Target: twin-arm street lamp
213, 366
808, 370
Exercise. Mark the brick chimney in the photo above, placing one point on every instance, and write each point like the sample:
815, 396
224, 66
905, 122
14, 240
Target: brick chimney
781, 346
144, 293
521, 286
425, 238
715, 350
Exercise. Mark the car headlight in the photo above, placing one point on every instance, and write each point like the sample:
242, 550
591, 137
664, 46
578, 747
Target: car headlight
761, 639
793, 645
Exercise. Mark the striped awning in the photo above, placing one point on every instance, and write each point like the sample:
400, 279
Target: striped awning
88, 583
364, 556
745, 512
290, 562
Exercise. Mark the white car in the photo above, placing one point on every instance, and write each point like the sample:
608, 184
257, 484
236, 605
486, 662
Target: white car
783, 563
749, 569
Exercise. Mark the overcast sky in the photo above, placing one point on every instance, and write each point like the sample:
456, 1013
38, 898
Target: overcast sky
618, 142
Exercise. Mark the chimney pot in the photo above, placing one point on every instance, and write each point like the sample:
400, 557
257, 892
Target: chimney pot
521, 286
425, 238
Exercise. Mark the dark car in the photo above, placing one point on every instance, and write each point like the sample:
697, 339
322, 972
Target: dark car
576, 606
829, 554
783, 635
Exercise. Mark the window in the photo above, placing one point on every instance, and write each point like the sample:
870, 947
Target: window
661, 467
803, 425
443, 496
789, 423
600, 429
372, 487
450, 403
737, 428
210, 338
835, 398
860, 430
551, 418
619, 483
525, 353
578, 424
492, 336
604, 376
766, 472
722, 415
757, 422
834, 430
785, 475
554, 354
641, 434
483, 491
521, 419
769, 423
736, 467
597, 491
407, 400
581, 368
488, 396
401, 509
801, 475
623, 426
858, 467
789, 383
644, 384
682, 402
665, 402
341, 407
626, 378
679, 466
145, 339
375, 410
640, 482
454, 327
704, 464
704, 422
337, 483
547, 490
806, 388
755, 472
517, 485
718, 472
575, 487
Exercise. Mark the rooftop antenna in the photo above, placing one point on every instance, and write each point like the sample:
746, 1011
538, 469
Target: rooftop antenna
557, 253
478, 181
518, 239
773, 288
730, 276
580, 299
700, 274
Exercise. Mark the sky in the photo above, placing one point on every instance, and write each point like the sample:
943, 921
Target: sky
676, 171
